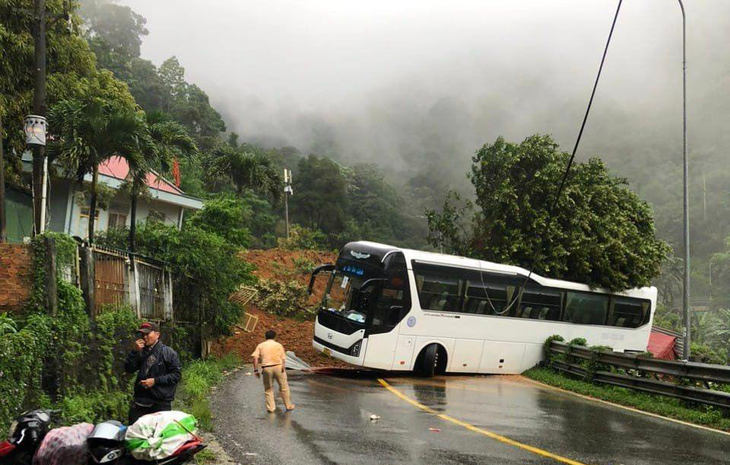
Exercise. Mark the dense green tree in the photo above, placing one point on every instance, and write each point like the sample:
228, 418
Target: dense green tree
601, 232
114, 33
320, 200
72, 72
226, 216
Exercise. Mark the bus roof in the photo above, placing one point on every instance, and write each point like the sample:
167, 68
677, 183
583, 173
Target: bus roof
482, 265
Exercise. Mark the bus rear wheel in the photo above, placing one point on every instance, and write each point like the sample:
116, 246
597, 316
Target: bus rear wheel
431, 360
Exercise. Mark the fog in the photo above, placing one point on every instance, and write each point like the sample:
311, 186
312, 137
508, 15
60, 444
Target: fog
415, 83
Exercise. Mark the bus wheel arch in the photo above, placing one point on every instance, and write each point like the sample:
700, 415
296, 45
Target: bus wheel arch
431, 360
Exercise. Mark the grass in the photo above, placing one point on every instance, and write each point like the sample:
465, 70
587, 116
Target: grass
205, 457
665, 406
198, 379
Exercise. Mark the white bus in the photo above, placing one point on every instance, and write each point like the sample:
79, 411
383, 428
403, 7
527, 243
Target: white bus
405, 310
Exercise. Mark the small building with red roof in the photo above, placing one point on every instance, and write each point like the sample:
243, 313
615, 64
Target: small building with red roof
68, 206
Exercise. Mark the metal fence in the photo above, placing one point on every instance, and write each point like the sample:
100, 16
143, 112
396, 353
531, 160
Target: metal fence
656, 376
150, 282
111, 281
123, 279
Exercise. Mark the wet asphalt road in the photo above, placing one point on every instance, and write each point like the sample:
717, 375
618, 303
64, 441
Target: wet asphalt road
332, 425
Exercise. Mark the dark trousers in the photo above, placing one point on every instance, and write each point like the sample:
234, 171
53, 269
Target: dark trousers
136, 411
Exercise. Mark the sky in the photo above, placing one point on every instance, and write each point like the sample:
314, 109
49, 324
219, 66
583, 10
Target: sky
408, 82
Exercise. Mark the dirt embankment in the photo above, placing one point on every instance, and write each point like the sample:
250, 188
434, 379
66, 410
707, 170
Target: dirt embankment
295, 335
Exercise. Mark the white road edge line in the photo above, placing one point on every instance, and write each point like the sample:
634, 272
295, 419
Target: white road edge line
631, 409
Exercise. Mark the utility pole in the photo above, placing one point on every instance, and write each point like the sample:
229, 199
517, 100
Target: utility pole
3, 230
686, 282
704, 195
39, 108
287, 192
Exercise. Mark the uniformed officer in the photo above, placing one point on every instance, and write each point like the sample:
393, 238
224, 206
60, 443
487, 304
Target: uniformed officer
270, 356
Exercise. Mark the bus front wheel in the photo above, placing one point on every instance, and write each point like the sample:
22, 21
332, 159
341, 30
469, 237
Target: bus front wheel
431, 360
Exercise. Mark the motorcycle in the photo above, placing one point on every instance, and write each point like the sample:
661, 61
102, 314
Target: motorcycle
26, 434
106, 443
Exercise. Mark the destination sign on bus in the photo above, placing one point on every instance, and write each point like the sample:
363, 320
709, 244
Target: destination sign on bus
357, 271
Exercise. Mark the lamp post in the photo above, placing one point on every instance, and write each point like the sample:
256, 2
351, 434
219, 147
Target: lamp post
686, 283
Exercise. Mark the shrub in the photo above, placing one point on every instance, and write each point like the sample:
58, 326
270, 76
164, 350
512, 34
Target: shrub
304, 266
198, 378
287, 299
301, 238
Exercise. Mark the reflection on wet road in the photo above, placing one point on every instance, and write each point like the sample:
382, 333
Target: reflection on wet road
332, 424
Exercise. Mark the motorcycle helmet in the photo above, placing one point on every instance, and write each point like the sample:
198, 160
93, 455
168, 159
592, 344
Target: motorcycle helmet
106, 442
29, 429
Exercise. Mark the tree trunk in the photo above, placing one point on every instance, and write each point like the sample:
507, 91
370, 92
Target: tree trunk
92, 207
133, 222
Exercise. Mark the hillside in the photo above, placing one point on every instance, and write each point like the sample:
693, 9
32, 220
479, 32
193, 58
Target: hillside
294, 334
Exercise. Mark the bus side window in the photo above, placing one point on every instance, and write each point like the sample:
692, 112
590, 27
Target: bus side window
439, 290
629, 313
539, 304
586, 308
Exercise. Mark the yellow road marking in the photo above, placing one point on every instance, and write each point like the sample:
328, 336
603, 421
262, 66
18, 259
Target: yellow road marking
484, 432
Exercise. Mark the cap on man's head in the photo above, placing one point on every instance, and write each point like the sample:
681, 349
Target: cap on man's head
147, 327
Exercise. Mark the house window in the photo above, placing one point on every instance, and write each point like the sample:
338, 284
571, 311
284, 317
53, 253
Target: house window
117, 217
83, 227
117, 220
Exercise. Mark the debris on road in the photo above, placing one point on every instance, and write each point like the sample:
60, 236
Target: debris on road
295, 363
374, 417
434, 430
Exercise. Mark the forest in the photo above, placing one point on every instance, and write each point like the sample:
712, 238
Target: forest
335, 200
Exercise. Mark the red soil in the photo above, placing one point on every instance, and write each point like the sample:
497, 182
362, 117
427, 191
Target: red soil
295, 335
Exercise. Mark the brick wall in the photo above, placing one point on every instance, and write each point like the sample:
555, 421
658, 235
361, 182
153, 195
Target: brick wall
16, 276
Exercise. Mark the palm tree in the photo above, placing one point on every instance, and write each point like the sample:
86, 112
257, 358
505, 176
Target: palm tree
255, 171
87, 133
164, 142
721, 329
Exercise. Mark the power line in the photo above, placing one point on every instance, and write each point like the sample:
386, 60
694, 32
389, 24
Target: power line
577, 143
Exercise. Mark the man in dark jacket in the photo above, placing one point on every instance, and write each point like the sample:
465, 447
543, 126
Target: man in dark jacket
158, 372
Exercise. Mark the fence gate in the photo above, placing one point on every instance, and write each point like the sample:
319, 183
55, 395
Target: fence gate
151, 284
111, 285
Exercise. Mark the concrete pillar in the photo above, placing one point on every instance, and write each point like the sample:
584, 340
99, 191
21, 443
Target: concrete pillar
86, 272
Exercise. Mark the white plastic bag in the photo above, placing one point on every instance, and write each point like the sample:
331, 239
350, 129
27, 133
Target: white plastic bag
158, 435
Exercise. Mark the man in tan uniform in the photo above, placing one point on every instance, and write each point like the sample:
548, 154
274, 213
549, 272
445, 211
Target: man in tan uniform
270, 356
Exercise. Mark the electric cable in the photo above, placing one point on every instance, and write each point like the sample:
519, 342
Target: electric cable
554, 204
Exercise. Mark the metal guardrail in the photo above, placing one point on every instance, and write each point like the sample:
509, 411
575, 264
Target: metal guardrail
694, 371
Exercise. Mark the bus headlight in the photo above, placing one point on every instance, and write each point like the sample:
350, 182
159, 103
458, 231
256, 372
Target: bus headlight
355, 349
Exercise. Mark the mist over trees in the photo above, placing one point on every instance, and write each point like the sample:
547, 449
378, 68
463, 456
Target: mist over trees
394, 141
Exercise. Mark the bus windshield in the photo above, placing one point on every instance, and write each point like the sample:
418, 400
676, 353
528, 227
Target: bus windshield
343, 295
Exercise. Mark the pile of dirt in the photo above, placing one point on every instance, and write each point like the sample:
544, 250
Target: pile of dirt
295, 335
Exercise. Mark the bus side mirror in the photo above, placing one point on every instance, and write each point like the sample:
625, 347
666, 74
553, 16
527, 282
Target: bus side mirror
320, 269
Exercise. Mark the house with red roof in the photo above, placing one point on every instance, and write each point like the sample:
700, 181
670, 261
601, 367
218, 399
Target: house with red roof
68, 207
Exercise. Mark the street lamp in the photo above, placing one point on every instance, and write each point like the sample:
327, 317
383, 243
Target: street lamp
35, 137
35, 130
685, 302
